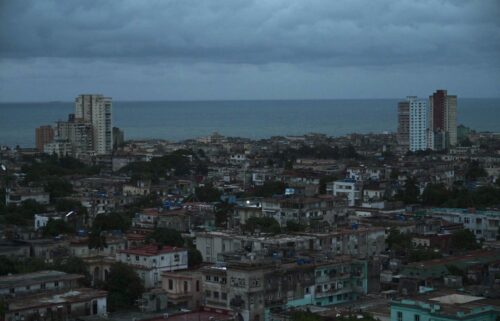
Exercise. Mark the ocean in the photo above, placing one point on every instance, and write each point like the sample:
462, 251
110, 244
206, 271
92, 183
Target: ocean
178, 120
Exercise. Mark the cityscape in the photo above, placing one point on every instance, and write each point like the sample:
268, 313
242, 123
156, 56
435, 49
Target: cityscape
102, 218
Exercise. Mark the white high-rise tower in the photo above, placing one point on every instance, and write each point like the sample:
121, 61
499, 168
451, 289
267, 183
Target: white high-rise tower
419, 123
96, 109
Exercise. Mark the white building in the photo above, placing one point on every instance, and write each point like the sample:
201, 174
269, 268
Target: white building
96, 109
484, 224
419, 123
348, 188
151, 260
41, 220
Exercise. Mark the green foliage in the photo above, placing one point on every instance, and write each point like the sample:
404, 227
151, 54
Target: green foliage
325, 180
269, 189
292, 226
474, 171
166, 236
194, 257
263, 224
397, 241
23, 213
66, 205
178, 163
124, 286
464, 240
435, 195
73, 265
417, 255
111, 221
207, 193
56, 227
410, 193
222, 212
454, 270
51, 166
58, 187
7, 265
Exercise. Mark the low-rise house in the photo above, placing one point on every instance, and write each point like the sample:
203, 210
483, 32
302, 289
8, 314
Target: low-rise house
184, 289
151, 260
41, 281
62, 305
42, 219
484, 224
20, 194
349, 188
445, 306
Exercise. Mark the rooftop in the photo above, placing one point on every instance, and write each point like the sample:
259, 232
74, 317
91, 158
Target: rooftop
450, 303
25, 279
153, 249
49, 299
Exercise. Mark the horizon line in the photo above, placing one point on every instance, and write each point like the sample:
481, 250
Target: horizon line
223, 100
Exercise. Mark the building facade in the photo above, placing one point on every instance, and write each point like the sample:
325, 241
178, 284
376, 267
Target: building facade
443, 120
419, 125
151, 260
403, 134
97, 110
43, 135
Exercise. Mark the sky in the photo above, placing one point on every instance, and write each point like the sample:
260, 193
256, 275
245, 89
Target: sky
248, 49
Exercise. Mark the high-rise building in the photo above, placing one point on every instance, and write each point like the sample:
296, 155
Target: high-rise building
403, 135
96, 109
43, 135
443, 120
118, 137
419, 123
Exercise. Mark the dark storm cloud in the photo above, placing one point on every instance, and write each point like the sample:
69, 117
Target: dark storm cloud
333, 32
210, 49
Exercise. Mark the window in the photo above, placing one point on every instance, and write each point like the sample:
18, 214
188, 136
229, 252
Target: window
400, 316
176, 258
216, 295
185, 286
137, 257
207, 293
417, 317
223, 296
170, 284
42, 286
56, 284
197, 286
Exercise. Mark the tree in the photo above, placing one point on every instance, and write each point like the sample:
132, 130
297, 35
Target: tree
410, 192
111, 221
7, 266
207, 193
222, 211
166, 236
58, 187
56, 227
269, 189
474, 171
263, 224
464, 240
397, 241
124, 286
435, 195
73, 265
292, 226
194, 257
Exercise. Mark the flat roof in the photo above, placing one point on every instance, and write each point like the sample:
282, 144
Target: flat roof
50, 299
16, 280
153, 249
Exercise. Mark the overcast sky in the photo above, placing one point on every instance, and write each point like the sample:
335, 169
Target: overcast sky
244, 49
